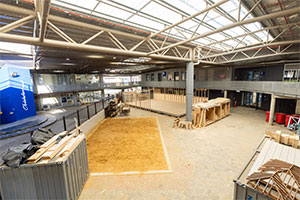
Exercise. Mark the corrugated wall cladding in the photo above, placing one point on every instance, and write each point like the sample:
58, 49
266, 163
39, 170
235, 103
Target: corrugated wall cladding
51, 181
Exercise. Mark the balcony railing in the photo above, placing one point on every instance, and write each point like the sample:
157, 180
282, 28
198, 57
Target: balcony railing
48, 89
121, 85
276, 87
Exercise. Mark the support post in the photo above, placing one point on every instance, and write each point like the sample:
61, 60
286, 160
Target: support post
88, 112
189, 90
225, 93
64, 122
78, 118
272, 109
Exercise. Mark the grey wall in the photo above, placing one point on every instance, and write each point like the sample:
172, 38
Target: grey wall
201, 74
271, 73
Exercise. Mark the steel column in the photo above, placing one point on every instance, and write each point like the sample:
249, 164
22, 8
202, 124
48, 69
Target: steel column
189, 90
45, 8
272, 109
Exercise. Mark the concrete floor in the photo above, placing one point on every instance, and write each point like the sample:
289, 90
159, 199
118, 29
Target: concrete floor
204, 162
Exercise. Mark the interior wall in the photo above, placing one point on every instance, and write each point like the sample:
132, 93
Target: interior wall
271, 73
287, 106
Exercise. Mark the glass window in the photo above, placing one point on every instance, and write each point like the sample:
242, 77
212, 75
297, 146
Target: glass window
152, 77
170, 76
159, 76
183, 76
291, 75
147, 77
176, 76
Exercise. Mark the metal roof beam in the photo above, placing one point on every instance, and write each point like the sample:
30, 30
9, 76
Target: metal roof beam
269, 16
255, 47
43, 12
81, 47
16, 24
78, 23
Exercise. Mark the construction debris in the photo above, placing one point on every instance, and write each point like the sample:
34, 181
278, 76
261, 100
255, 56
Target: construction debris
277, 179
209, 112
124, 109
113, 109
287, 139
182, 124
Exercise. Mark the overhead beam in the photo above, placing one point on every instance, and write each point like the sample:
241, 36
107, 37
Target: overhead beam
81, 47
245, 34
16, 24
261, 18
44, 12
78, 24
190, 17
254, 47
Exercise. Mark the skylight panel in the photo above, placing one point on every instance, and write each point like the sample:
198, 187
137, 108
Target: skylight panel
189, 6
203, 41
135, 4
217, 36
73, 7
189, 24
161, 12
89, 4
147, 22
228, 6
104, 8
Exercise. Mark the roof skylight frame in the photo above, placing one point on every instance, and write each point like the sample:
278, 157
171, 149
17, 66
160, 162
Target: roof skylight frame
132, 12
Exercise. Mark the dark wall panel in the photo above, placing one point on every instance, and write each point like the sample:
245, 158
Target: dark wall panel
271, 73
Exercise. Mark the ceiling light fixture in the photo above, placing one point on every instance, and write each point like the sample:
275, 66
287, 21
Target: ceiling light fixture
95, 56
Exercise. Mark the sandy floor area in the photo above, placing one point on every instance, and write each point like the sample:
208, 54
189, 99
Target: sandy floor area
126, 145
204, 162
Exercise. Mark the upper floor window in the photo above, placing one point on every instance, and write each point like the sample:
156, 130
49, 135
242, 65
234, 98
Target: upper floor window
152, 77
183, 76
147, 77
159, 77
170, 76
176, 76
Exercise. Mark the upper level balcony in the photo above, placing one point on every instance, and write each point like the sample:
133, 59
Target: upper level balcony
51, 89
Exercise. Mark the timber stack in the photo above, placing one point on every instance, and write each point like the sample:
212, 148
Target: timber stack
206, 113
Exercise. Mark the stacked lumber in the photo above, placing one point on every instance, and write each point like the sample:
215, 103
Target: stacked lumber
182, 124
277, 179
112, 109
57, 149
287, 139
205, 113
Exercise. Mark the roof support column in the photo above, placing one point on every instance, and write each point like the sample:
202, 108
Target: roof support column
189, 90
225, 93
272, 109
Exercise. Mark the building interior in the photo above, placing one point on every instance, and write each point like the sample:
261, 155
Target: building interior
149, 99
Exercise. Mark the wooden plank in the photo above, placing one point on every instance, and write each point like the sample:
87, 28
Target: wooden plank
56, 148
43, 148
68, 149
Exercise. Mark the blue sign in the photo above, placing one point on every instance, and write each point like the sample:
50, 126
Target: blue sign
16, 94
